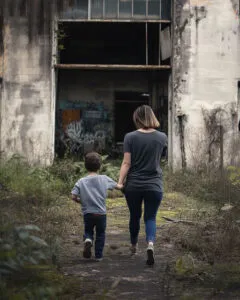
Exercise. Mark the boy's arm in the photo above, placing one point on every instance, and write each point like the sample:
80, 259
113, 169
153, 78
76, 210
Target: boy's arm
76, 193
111, 184
75, 198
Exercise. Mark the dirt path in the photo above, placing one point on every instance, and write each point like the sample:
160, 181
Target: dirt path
120, 276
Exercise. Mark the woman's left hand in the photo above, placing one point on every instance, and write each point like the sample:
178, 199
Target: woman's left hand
119, 186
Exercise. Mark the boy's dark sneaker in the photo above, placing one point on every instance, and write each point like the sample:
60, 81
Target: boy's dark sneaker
87, 248
150, 254
133, 249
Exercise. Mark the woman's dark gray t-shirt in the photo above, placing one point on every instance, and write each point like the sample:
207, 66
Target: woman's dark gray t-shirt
146, 151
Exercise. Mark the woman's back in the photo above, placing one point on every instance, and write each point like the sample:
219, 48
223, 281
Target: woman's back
146, 149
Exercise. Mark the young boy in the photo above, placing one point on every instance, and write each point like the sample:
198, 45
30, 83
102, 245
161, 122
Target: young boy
91, 192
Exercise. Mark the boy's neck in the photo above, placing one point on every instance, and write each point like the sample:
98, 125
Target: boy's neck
92, 173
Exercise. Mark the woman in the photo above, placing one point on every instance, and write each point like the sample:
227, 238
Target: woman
140, 168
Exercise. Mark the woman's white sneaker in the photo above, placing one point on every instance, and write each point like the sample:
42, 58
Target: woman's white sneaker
150, 254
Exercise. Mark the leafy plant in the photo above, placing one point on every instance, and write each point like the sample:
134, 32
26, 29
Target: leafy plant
19, 247
22, 254
234, 175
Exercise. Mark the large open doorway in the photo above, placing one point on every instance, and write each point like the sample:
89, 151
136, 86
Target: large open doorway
105, 71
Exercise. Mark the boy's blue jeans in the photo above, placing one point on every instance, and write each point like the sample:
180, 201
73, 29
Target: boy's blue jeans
152, 200
99, 222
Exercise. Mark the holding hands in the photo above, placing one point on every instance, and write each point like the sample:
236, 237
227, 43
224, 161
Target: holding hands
119, 186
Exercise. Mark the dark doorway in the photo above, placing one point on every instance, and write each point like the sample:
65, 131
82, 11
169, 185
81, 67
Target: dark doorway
125, 104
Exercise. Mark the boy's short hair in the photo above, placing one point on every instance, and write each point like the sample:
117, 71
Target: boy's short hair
93, 161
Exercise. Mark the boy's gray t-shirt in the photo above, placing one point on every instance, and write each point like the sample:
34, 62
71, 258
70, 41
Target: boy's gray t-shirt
92, 191
146, 151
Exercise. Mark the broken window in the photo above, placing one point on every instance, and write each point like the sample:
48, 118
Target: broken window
118, 9
125, 9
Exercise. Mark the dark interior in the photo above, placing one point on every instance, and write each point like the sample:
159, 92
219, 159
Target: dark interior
109, 43
103, 43
125, 104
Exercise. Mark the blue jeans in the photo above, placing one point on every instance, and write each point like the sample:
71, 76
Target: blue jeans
152, 200
98, 222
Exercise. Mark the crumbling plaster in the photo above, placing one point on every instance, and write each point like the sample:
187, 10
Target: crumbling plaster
26, 100
206, 72
27, 107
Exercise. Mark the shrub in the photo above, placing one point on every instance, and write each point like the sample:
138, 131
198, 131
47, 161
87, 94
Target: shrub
19, 247
35, 183
22, 253
215, 186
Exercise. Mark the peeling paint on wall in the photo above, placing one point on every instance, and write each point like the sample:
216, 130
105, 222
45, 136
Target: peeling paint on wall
206, 74
181, 57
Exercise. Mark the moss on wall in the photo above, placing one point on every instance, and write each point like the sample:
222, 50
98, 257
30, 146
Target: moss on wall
39, 13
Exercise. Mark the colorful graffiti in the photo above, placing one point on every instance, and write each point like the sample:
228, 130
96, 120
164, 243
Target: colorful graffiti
82, 127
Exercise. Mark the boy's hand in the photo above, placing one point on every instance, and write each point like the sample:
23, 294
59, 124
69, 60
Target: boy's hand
75, 198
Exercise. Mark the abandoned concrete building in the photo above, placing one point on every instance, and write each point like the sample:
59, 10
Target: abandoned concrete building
73, 71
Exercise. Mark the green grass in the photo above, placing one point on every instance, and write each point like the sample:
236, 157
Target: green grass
40, 196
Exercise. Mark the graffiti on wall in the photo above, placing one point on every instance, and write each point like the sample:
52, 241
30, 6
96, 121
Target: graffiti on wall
82, 127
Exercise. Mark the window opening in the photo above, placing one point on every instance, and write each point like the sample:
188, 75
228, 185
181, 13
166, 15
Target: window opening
114, 44
118, 9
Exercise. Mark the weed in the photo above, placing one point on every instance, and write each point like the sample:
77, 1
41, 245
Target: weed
215, 187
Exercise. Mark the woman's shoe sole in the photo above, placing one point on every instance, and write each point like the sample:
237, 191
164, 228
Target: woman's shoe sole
150, 257
87, 250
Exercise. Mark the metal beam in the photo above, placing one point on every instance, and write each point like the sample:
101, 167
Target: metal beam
111, 67
118, 7
89, 9
146, 42
114, 20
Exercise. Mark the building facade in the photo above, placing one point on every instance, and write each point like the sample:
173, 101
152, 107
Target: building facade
72, 72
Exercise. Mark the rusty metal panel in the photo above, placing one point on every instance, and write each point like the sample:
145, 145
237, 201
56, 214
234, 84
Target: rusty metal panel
166, 48
108, 67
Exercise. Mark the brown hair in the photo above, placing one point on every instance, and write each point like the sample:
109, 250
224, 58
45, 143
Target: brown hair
93, 161
144, 117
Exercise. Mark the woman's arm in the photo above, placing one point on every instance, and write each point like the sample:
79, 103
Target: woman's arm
126, 164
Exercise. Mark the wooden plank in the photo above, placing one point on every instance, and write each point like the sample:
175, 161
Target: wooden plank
113, 67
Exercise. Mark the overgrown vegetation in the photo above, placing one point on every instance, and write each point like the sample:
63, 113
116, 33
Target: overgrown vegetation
218, 187
202, 208
37, 197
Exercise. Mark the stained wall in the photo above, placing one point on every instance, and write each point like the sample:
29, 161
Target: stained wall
205, 109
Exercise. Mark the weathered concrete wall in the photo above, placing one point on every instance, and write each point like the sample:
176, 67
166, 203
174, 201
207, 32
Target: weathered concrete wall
27, 125
206, 84
27, 113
